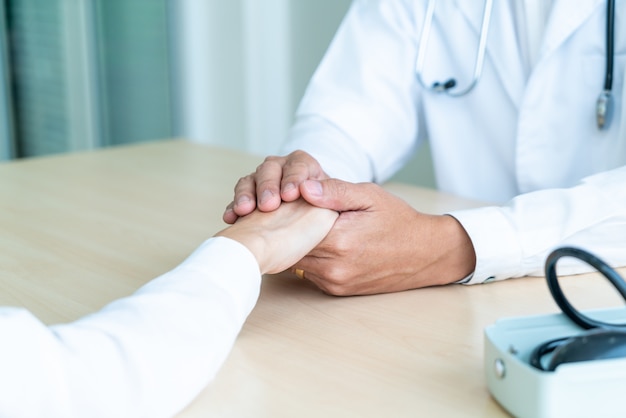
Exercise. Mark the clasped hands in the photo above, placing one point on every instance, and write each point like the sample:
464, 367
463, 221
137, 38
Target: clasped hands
377, 244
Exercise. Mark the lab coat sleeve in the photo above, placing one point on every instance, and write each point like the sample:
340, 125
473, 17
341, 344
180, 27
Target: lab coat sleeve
146, 355
514, 240
359, 114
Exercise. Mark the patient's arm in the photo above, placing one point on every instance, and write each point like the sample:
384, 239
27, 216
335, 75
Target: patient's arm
151, 353
280, 238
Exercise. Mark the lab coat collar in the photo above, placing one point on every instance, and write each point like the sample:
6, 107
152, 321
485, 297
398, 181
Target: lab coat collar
507, 60
566, 17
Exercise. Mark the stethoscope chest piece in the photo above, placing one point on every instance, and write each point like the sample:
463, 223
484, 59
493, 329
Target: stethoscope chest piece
604, 109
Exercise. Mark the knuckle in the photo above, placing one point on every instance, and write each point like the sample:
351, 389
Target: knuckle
336, 281
296, 162
336, 290
336, 276
342, 246
267, 183
265, 165
269, 168
341, 188
299, 154
244, 181
270, 162
306, 159
296, 168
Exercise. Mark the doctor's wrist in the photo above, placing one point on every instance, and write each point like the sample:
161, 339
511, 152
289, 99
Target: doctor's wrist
458, 258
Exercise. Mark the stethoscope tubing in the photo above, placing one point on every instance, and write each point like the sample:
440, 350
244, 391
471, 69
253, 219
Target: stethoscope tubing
610, 47
480, 53
572, 313
449, 87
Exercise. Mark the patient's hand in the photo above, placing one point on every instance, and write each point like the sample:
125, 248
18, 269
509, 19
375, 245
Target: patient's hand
280, 238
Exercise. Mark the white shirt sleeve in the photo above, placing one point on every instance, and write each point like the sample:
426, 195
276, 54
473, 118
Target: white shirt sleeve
147, 355
337, 154
358, 114
364, 113
514, 240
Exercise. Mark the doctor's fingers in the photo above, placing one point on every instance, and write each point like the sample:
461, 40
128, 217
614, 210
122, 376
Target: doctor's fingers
244, 201
229, 216
327, 274
259, 189
267, 179
275, 180
298, 167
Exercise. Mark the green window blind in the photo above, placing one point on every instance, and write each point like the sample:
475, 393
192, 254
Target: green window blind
88, 73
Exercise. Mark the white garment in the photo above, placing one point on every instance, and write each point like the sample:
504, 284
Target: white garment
147, 355
532, 137
531, 17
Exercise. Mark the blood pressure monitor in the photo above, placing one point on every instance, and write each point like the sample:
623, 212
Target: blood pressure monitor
571, 364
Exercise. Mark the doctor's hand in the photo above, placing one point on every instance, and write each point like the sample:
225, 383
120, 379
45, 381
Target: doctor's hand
280, 238
380, 244
275, 181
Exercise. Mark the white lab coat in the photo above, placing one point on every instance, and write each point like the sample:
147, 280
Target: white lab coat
147, 355
526, 136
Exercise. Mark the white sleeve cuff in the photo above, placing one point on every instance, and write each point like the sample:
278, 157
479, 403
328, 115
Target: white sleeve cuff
498, 254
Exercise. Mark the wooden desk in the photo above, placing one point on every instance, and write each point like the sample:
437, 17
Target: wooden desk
79, 230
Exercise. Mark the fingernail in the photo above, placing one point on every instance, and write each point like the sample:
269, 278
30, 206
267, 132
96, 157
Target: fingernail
229, 214
243, 200
314, 187
288, 187
267, 195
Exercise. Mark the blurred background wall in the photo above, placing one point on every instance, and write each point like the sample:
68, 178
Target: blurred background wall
83, 74
245, 63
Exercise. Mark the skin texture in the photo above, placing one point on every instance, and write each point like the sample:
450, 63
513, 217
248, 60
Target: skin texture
378, 244
280, 238
276, 180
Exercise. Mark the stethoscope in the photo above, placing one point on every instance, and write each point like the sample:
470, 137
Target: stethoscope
603, 104
601, 340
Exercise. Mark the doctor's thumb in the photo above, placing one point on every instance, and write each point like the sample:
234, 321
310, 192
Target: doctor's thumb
335, 194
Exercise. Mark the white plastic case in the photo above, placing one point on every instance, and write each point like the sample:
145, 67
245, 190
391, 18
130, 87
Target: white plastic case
584, 389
